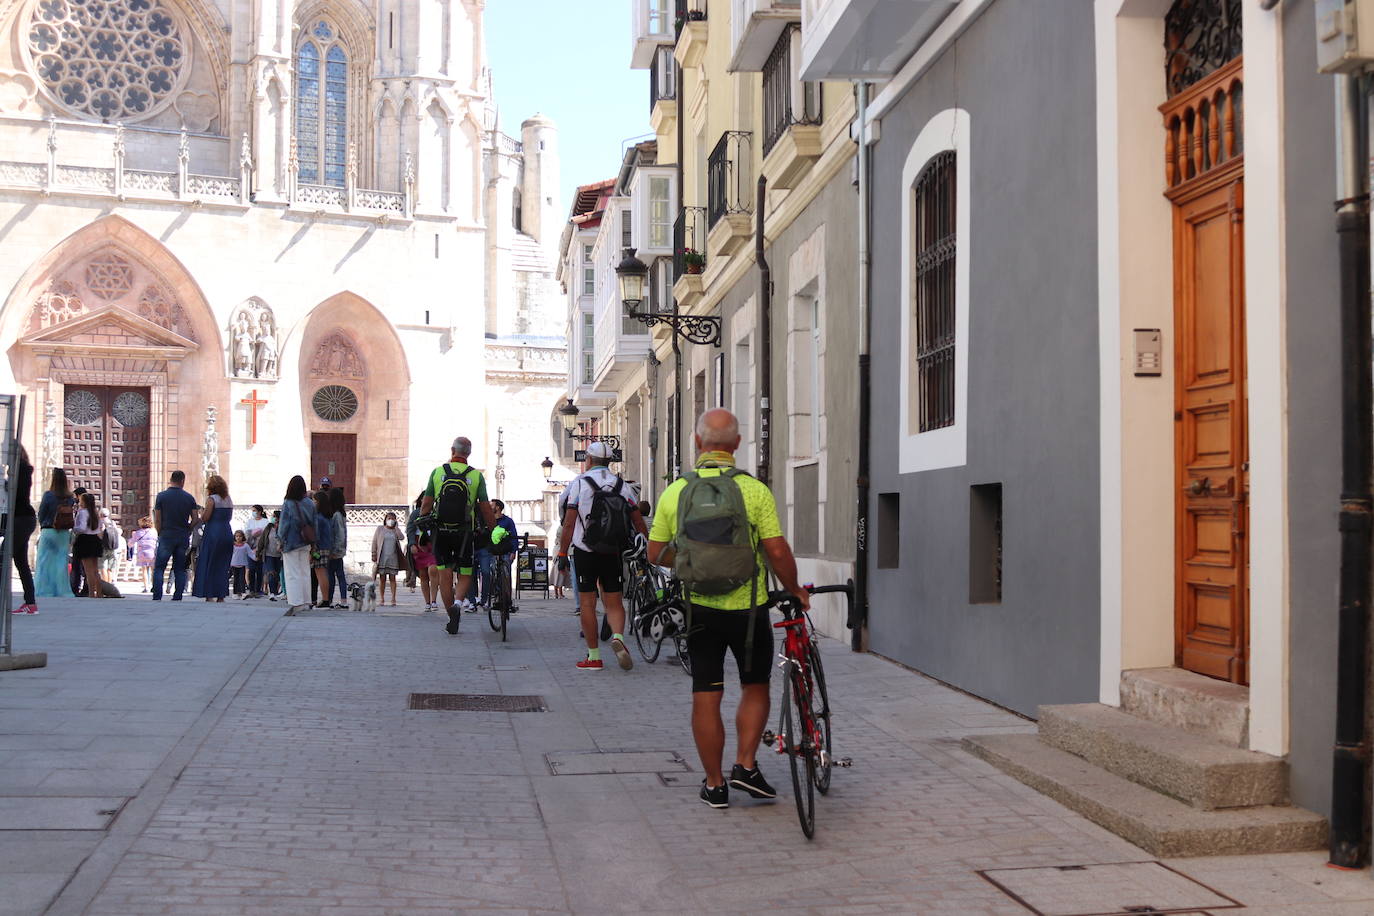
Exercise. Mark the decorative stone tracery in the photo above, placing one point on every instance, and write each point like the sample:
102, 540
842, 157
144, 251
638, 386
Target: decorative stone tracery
109, 59
109, 276
337, 357
58, 303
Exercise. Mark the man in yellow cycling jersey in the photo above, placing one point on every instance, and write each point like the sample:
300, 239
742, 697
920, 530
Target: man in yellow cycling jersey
723, 622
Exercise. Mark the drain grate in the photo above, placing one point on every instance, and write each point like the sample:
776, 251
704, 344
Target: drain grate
1116, 889
477, 702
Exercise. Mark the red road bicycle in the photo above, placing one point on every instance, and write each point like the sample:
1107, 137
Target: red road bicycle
803, 733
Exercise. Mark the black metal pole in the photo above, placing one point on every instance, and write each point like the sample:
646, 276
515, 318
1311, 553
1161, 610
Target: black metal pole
858, 609
765, 336
1350, 760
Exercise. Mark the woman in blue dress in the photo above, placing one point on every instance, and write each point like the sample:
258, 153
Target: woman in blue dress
217, 543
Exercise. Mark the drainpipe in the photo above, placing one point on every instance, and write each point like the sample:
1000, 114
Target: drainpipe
675, 421
858, 621
765, 337
1350, 763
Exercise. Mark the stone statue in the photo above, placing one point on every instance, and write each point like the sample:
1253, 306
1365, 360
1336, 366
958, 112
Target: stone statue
266, 346
243, 347
52, 436
211, 447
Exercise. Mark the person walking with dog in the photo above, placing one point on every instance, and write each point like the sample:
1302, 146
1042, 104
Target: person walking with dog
715, 525
601, 518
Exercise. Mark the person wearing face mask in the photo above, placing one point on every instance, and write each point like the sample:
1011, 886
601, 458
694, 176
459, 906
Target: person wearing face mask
387, 554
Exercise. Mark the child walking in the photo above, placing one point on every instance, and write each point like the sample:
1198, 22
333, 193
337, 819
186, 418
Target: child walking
386, 553
143, 542
238, 564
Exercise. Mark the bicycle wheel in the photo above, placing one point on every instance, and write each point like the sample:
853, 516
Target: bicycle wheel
503, 597
494, 612
683, 659
820, 714
649, 647
793, 726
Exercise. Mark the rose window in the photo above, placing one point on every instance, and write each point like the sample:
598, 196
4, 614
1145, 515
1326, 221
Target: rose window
82, 407
335, 402
109, 276
109, 59
130, 409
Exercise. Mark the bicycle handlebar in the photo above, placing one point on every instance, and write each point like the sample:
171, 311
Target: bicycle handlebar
785, 598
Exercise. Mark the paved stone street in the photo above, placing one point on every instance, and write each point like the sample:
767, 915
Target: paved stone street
220, 759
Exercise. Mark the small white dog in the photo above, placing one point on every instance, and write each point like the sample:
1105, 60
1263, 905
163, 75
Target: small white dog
364, 597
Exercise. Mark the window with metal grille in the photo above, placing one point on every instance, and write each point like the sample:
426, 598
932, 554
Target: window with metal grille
786, 99
934, 207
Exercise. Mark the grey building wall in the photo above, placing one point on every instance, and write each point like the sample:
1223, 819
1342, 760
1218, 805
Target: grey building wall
1025, 73
1314, 400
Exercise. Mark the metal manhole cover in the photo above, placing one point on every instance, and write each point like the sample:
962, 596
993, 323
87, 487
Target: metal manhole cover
1116, 889
606, 763
502, 667
477, 702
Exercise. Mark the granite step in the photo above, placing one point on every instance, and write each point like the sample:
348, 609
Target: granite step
1185, 766
1160, 825
1188, 702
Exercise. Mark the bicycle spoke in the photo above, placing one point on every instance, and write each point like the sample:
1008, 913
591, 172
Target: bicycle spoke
820, 706
793, 725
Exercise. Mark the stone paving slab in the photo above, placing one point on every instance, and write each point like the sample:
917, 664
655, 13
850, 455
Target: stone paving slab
295, 780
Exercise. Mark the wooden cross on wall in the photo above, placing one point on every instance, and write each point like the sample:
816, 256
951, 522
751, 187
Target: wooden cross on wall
253, 403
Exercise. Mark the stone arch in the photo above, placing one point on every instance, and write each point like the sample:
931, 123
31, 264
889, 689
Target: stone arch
111, 308
346, 341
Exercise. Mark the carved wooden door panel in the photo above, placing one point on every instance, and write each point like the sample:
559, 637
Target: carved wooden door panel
1213, 463
106, 448
335, 455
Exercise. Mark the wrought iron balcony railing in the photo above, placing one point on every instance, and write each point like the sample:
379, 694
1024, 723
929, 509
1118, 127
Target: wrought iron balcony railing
727, 176
690, 11
786, 99
689, 242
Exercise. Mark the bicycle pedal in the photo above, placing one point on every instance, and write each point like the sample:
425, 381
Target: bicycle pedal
844, 762
768, 736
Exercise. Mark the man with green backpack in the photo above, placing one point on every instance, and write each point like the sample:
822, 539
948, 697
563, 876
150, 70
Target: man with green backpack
716, 525
454, 495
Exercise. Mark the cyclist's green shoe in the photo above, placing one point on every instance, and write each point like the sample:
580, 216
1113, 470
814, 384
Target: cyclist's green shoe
752, 781
718, 797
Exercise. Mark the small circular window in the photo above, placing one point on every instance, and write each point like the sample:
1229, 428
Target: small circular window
130, 409
335, 402
82, 407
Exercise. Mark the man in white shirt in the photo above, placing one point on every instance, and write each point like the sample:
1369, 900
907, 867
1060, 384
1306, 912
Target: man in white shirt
598, 568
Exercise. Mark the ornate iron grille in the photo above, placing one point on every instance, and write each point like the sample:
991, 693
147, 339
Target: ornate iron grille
727, 176
689, 11
335, 402
1200, 36
786, 99
936, 246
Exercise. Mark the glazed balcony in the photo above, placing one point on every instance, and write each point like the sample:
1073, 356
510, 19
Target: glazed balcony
651, 27
865, 39
756, 26
621, 343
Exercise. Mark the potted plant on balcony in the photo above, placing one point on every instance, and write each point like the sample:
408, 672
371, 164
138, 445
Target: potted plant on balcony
693, 261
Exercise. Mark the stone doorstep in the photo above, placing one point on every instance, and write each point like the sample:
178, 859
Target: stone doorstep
1160, 825
1184, 766
1189, 702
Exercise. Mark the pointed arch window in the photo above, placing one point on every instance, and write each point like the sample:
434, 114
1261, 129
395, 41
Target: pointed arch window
322, 106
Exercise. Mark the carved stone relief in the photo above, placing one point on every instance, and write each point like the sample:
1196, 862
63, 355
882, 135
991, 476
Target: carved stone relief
210, 447
253, 341
337, 357
58, 303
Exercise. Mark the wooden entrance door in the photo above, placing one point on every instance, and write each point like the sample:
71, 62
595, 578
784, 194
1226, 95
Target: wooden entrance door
1204, 168
335, 455
105, 448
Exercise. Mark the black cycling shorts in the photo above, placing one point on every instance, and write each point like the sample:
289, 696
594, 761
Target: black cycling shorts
453, 550
605, 569
713, 632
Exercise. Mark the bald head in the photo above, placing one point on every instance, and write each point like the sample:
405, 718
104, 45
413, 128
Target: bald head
718, 430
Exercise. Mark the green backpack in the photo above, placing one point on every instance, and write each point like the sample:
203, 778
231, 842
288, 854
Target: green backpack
715, 545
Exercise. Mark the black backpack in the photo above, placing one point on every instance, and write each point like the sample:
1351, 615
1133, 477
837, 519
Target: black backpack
453, 506
606, 528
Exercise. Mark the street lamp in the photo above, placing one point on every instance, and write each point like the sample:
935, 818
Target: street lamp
697, 329
547, 466
568, 414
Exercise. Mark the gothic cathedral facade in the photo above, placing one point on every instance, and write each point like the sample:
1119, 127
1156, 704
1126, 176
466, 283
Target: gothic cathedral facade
268, 238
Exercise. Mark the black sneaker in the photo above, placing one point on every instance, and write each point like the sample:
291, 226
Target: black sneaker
719, 797
455, 616
752, 781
